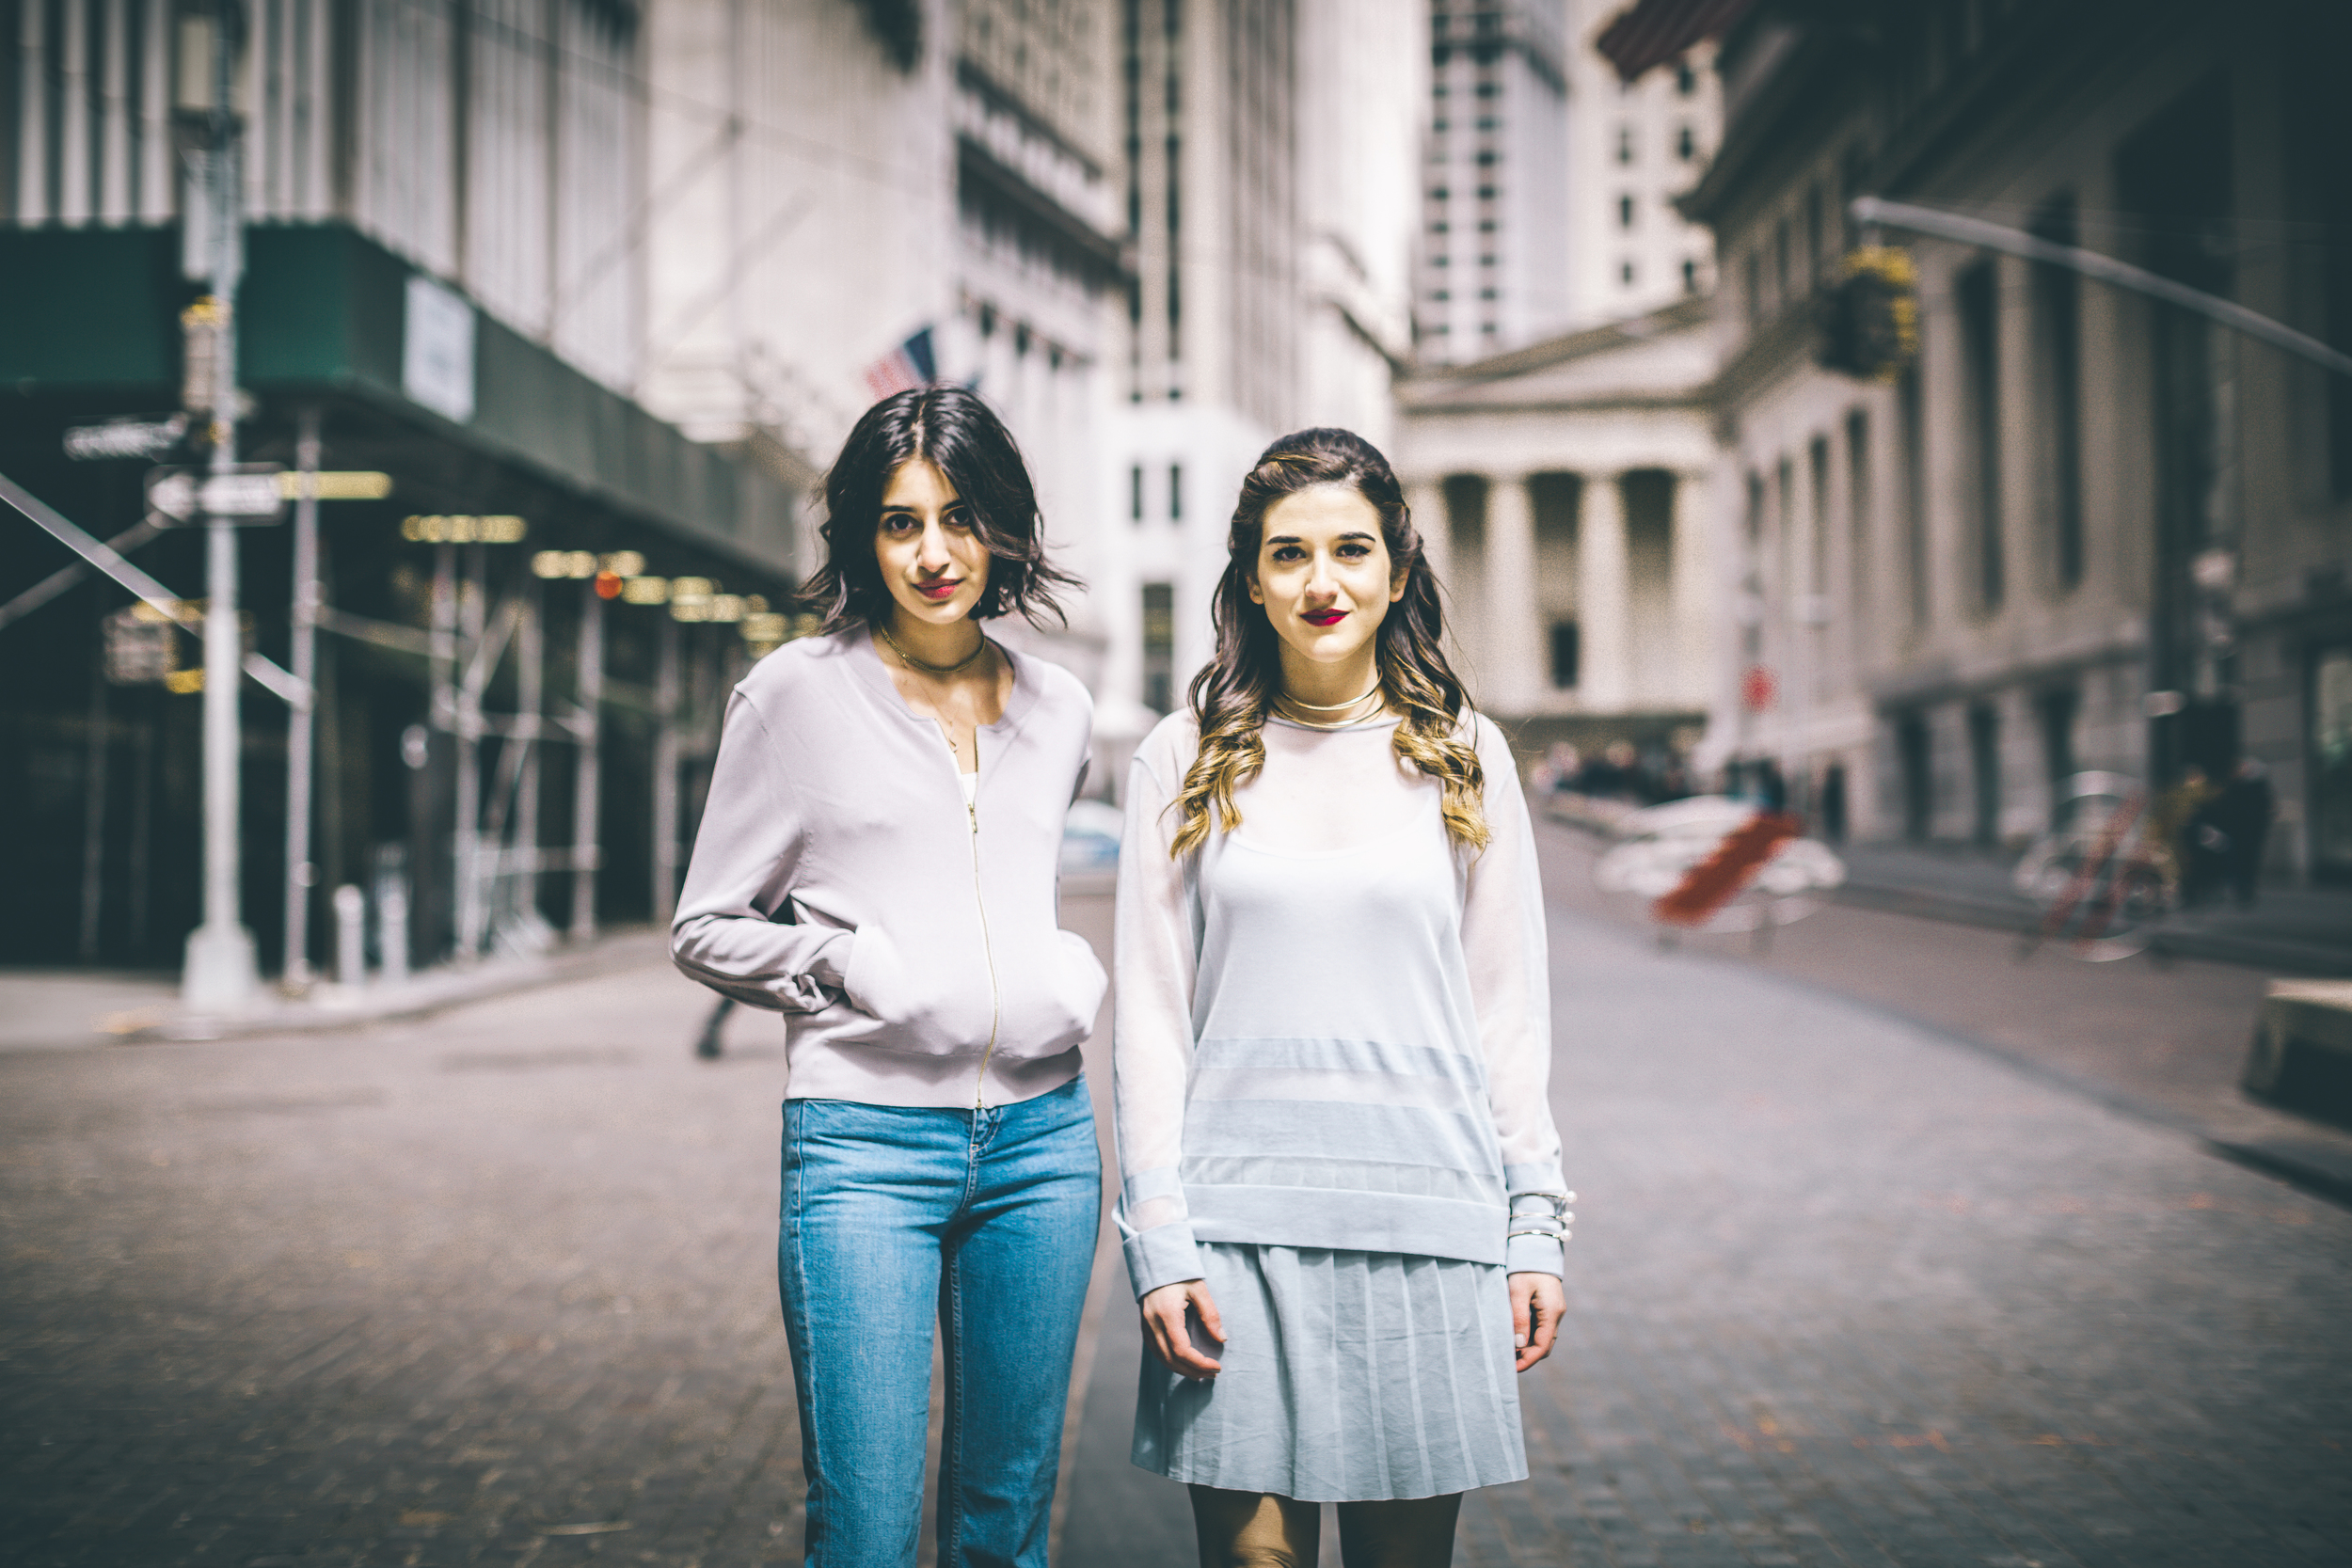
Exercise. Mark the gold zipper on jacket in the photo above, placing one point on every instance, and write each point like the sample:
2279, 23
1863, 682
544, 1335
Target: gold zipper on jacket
979, 902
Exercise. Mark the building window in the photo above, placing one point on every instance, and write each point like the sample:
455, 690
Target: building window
1485, 226
1625, 275
1625, 144
1858, 512
1690, 276
1486, 192
1487, 89
1751, 280
1441, 295
1984, 768
1914, 497
1624, 211
1686, 143
1564, 655
1912, 760
1489, 122
1441, 259
1442, 226
1438, 192
1175, 492
1485, 293
1485, 160
1976, 302
1488, 328
1134, 494
1160, 646
1486, 261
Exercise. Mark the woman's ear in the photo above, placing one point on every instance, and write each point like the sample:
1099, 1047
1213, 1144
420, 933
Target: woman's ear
1256, 596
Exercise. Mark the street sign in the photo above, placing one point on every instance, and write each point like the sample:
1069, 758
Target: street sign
150, 438
248, 495
337, 484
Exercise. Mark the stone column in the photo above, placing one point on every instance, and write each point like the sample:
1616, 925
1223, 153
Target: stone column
1690, 591
1515, 672
1603, 596
1426, 498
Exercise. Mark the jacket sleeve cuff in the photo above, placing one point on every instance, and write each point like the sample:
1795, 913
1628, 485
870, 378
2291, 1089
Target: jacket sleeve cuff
1163, 1254
1534, 1255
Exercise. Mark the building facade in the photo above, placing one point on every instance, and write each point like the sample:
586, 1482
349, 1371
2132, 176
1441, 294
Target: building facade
1268, 154
443, 286
1563, 490
2083, 529
1495, 184
1633, 147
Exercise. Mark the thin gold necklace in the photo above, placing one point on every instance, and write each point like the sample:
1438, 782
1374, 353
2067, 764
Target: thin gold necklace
914, 663
1319, 724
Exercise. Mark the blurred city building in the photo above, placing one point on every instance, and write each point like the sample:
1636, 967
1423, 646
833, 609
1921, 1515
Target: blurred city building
443, 280
2080, 530
1495, 191
1269, 152
1635, 147
1564, 488
1562, 481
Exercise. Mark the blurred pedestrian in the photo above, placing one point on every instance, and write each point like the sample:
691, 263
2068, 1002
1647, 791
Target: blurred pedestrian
2174, 828
1343, 1201
1771, 789
2243, 813
877, 862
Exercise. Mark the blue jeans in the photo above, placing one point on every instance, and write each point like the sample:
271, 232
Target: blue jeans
986, 1218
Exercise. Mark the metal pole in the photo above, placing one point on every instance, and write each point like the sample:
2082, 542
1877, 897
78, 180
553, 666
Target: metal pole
2106, 269
529, 677
220, 975
665, 748
440, 877
300, 725
587, 763
473, 608
95, 813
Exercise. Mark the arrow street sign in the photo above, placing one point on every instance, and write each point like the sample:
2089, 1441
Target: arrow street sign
248, 495
87, 443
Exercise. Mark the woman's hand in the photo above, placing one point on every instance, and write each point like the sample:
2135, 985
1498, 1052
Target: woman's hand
1536, 1302
1168, 1328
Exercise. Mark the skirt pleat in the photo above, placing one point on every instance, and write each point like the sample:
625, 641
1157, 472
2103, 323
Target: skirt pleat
1348, 1377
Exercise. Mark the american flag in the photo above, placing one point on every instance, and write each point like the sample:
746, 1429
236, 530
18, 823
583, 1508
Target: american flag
907, 366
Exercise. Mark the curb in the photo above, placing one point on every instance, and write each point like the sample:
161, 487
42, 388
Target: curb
330, 1010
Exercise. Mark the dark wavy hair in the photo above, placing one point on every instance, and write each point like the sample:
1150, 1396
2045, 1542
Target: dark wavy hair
963, 438
1230, 694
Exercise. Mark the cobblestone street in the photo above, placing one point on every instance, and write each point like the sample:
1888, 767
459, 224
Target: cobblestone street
497, 1288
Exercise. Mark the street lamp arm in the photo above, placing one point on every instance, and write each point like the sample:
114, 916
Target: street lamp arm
2106, 269
294, 693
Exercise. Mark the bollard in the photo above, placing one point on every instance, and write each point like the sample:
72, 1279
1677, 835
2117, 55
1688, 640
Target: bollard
391, 931
350, 926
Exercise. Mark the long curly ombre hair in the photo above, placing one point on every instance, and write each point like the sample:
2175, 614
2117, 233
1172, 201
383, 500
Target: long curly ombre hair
1231, 695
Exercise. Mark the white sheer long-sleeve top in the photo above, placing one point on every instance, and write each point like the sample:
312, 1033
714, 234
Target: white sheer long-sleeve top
1333, 1024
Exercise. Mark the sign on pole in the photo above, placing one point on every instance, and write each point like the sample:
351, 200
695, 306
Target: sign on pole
248, 495
152, 437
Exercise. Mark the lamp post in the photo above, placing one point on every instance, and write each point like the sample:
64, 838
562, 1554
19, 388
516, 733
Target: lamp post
220, 975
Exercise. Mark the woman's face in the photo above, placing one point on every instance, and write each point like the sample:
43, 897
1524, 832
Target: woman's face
1324, 573
935, 566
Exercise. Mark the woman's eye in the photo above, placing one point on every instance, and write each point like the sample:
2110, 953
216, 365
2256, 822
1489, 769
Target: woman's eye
959, 518
1355, 552
899, 523
1289, 552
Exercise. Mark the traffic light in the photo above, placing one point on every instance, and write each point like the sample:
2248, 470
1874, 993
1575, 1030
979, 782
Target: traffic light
1870, 320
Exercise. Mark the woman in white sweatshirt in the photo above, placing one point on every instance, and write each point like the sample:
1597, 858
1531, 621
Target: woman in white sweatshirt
878, 862
1342, 1200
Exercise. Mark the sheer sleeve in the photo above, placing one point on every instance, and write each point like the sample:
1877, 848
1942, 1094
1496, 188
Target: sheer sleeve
1503, 940
1151, 1033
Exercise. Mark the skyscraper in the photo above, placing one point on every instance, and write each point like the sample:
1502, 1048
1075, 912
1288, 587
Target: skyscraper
1494, 178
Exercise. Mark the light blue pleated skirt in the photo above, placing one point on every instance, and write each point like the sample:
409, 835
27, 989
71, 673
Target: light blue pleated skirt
1348, 1377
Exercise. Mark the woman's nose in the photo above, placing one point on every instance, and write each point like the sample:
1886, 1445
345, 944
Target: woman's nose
933, 556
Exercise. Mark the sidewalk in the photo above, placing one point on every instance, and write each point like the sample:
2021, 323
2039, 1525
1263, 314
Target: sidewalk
2291, 931
59, 1009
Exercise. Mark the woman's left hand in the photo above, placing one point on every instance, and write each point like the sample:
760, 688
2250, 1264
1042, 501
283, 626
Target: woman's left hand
1536, 1302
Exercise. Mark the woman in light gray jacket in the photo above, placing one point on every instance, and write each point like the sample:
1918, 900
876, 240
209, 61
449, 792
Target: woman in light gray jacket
878, 862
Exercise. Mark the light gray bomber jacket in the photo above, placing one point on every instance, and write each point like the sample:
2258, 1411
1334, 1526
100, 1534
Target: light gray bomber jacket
840, 879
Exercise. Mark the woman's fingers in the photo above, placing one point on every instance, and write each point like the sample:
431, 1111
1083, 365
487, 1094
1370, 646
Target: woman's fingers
1537, 1301
1166, 1313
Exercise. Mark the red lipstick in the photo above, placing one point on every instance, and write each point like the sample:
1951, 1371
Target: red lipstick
1325, 617
942, 591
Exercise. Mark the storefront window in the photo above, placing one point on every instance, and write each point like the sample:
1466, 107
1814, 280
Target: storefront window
2331, 765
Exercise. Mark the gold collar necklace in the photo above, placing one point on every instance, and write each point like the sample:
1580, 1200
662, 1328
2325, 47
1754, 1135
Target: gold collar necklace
914, 663
1288, 702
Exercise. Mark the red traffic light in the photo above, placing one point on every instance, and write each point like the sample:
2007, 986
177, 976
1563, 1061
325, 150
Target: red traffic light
608, 585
